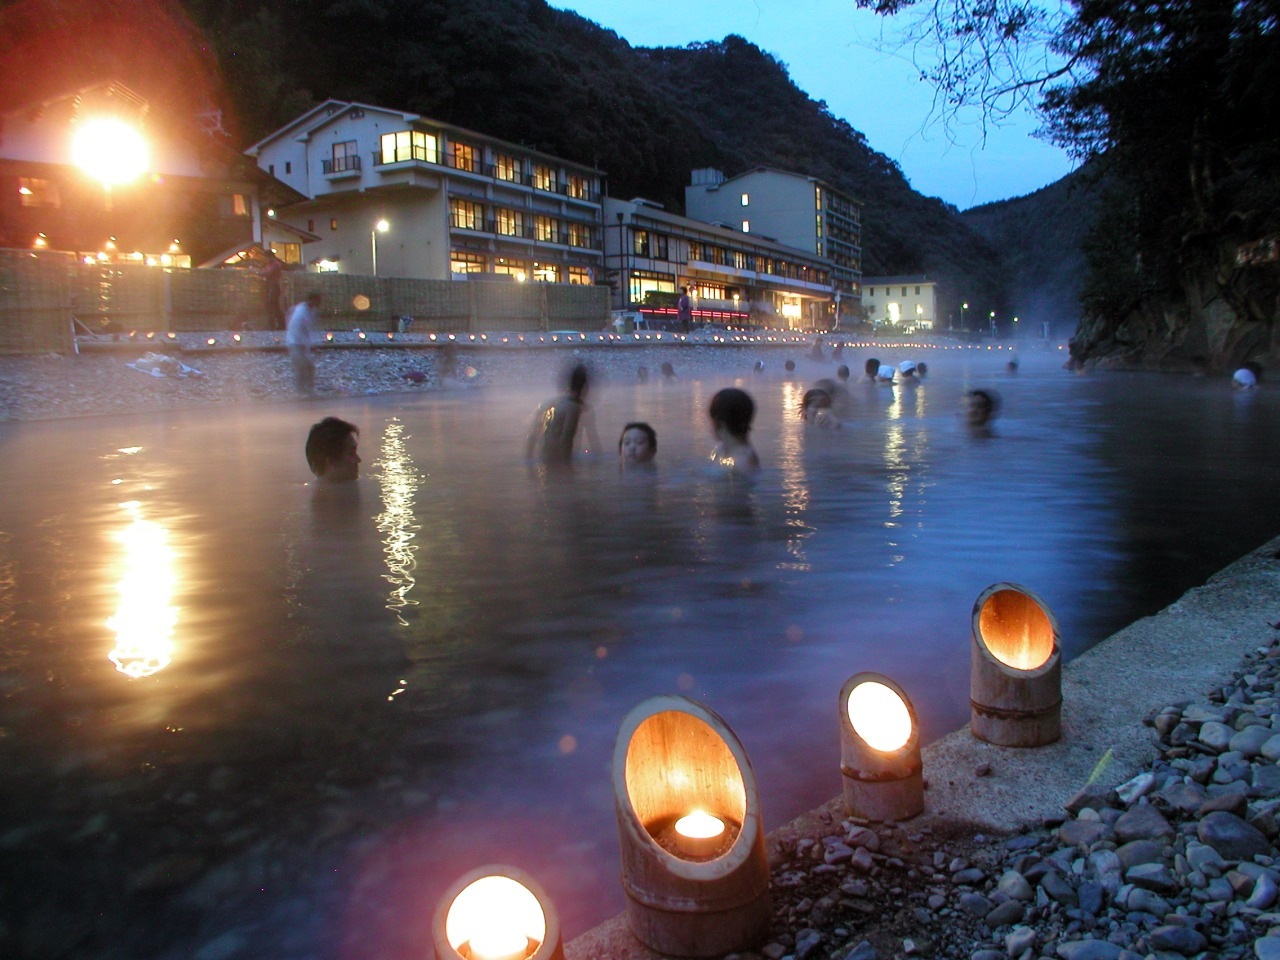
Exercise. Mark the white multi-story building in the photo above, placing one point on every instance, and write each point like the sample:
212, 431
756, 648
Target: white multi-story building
398, 194
732, 276
908, 303
791, 208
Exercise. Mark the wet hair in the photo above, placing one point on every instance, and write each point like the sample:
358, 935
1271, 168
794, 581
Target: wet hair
871, 368
733, 408
843, 372
818, 399
984, 404
644, 428
921, 369
642, 374
668, 370
759, 367
577, 380
790, 365
325, 443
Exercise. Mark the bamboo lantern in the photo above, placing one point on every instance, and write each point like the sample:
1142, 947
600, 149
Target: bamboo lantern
690, 892
1016, 669
496, 913
879, 749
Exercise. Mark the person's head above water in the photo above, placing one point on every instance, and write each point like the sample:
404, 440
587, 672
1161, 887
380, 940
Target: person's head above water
980, 407
814, 400
871, 367
668, 370
790, 366
332, 450
732, 410
642, 374
842, 372
638, 443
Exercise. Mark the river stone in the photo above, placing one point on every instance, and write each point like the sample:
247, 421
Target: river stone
1271, 749
807, 941
1090, 896
1267, 948
1204, 858
1139, 851
1011, 911
1019, 940
1133, 789
837, 853
975, 904
862, 837
1088, 950
1082, 833
1015, 885
970, 875
1179, 939
1152, 876
1264, 894
1204, 713
1231, 837
1216, 736
1251, 740
861, 860
1106, 868
1058, 889
1143, 822
1236, 803
1144, 901
1183, 797
1266, 780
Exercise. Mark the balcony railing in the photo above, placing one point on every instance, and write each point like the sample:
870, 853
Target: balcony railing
341, 165
489, 170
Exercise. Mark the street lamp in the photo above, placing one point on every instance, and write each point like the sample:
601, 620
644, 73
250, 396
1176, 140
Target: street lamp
963, 308
992, 315
380, 227
1015, 327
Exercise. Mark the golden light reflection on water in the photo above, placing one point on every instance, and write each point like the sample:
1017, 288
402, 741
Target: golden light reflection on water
396, 522
795, 481
145, 620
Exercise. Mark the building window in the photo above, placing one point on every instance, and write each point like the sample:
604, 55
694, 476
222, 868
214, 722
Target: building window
510, 223
544, 228
287, 252
642, 282
271, 169
465, 214
817, 198
544, 178
580, 276
311, 226
661, 247
344, 158
746, 200
409, 145
288, 166
38, 193
466, 262
546, 272
233, 206
746, 226
464, 157
505, 167
640, 243
333, 223
579, 235
818, 222
904, 291
695, 250
917, 291
326, 266
577, 187
511, 268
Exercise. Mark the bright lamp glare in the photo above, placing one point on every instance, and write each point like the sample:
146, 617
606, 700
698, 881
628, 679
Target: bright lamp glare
495, 910
109, 150
879, 716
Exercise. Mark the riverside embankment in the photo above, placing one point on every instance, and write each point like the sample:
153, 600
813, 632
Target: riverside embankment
1148, 831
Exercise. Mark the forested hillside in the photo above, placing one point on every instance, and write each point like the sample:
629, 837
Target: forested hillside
517, 69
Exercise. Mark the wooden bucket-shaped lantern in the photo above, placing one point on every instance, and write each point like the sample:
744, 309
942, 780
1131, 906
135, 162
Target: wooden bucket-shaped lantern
693, 860
496, 913
879, 749
1016, 670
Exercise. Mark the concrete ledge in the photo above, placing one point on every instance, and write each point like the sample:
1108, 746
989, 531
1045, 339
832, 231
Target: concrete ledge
1177, 655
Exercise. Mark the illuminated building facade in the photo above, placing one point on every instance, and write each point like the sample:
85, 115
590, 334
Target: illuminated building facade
186, 197
733, 277
907, 303
453, 202
791, 208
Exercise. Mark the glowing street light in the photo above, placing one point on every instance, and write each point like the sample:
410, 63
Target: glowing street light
110, 151
380, 227
963, 324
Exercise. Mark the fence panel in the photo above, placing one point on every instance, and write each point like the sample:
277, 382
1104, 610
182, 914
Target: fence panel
35, 301
118, 297
202, 300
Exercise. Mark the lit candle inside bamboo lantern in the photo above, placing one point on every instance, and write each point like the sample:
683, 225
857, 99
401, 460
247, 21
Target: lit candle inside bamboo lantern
496, 913
1016, 669
692, 839
879, 749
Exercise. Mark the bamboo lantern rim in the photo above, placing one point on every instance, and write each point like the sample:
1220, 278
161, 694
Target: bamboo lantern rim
1015, 630
475, 899
671, 758
881, 736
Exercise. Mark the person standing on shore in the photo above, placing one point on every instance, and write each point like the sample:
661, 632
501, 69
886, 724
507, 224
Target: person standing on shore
271, 273
298, 335
684, 310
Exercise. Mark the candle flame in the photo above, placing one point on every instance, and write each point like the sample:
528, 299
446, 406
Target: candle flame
700, 825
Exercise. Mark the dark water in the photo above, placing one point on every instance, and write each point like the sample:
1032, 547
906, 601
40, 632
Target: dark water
344, 702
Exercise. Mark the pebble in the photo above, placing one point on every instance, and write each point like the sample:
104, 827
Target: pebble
1232, 837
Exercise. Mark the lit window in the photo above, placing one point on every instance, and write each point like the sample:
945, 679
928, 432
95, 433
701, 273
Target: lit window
544, 178
580, 276
287, 252
333, 223
504, 167
817, 198
511, 268
466, 214
409, 145
466, 262
579, 235
37, 193
510, 223
544, 228
640, 243
577, 187
746, 199
746, 226
546, 272
239, 205
818, 219
464, 157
